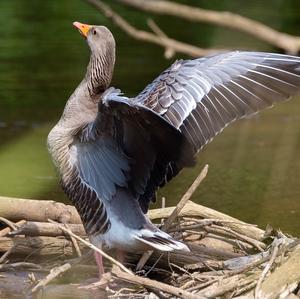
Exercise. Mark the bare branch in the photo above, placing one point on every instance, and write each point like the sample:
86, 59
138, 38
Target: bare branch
289, 43
156, 285
161, 39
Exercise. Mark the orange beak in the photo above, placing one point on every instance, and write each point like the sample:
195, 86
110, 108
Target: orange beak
82, 28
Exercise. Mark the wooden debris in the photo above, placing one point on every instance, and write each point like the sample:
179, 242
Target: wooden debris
52, 275
228, 258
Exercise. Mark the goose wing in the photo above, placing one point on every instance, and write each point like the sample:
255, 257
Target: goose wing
201, 97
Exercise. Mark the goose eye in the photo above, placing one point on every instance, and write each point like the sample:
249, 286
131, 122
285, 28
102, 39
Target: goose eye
94, 32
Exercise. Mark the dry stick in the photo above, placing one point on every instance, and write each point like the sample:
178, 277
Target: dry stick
167, 43
88, 244
6, 254
219, 229
148, 283
8, 223
74, 241
143, 260
12, 226
265, 271
289, 43
52, 275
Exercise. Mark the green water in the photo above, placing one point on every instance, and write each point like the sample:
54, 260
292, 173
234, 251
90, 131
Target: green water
254, 165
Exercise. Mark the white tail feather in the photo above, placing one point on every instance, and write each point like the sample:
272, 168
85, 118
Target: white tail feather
160, 240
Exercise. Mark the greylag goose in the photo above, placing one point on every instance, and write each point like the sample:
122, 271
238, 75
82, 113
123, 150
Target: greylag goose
114, 152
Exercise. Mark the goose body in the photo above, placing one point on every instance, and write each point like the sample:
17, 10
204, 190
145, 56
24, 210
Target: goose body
114, 152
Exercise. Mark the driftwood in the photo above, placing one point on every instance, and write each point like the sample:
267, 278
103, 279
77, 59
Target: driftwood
16, 209
220, 263
289, 43
34, 228
37, 246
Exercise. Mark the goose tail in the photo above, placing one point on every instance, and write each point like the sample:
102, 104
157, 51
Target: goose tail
160, 240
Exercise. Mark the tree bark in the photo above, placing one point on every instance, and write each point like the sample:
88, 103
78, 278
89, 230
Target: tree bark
16, 209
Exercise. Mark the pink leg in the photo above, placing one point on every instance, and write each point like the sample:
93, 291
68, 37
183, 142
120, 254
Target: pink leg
99, 262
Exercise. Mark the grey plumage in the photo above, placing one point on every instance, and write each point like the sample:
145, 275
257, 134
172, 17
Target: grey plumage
113, 152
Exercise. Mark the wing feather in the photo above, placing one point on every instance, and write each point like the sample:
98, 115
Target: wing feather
201, 97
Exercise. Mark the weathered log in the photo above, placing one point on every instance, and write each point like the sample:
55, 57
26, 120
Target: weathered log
34, 228
16, 209
38, 246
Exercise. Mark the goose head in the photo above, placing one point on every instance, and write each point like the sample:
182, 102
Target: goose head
102, 58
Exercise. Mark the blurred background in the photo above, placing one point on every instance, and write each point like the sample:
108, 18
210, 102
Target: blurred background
254, 164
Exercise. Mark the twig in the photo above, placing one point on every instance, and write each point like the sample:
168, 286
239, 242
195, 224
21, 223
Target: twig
149, 37
290, 43
8, 223
258, 244
11, 226
52, 275
266, 270
6, 254
74, 241
148, 283
186, 197
167, 224
88, 244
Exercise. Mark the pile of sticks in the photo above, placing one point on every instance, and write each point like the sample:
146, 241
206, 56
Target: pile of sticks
228, 257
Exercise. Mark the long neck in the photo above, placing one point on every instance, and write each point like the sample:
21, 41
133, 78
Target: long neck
99, 72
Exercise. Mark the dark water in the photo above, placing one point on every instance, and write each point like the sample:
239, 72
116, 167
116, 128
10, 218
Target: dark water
254, 164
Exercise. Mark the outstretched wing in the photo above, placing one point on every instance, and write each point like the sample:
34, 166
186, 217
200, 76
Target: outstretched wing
201, 97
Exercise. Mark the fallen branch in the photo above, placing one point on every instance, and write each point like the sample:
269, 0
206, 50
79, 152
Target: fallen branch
52, 275
153, 284
9, 229
155, 38
16, 209
34, 228
37, 246
290, 44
